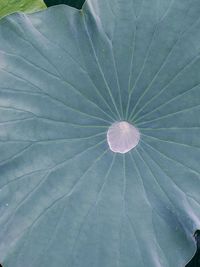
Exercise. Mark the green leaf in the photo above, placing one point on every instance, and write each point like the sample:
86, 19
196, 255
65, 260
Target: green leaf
74, 3
66, 199
10, 6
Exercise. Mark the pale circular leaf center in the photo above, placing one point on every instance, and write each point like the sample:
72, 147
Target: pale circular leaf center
122, 137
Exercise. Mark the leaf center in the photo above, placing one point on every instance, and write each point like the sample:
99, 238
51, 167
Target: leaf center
122, 137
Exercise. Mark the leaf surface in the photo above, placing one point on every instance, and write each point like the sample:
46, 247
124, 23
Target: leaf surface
66, 199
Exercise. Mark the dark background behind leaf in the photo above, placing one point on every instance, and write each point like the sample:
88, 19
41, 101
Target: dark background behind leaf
74, 3
195, 261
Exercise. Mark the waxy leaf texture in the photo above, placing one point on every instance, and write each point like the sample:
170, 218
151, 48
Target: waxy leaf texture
66, 76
